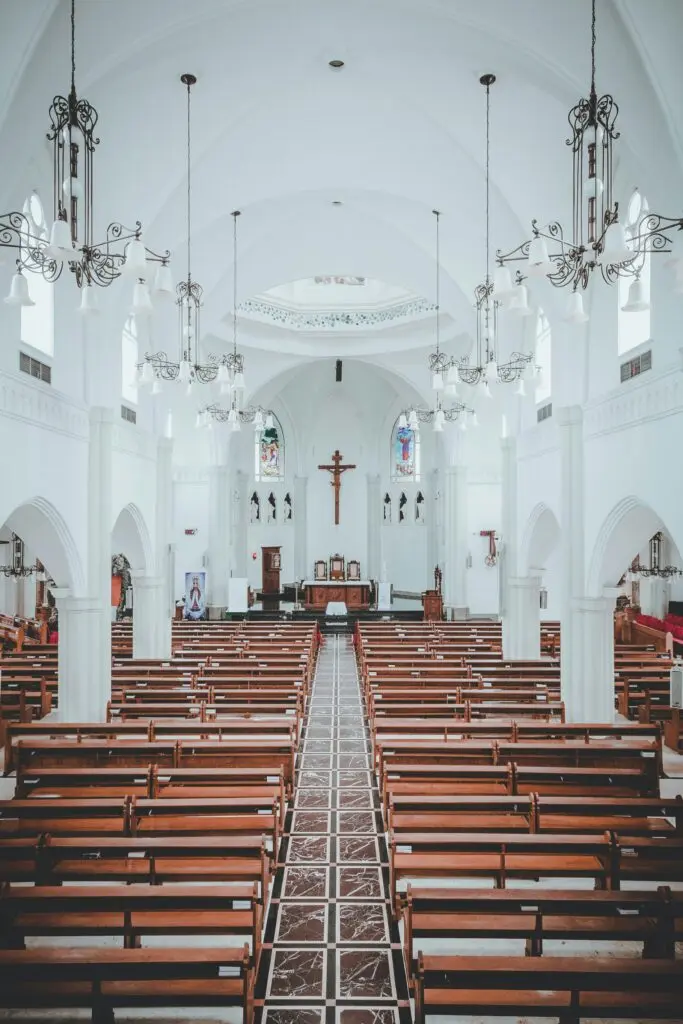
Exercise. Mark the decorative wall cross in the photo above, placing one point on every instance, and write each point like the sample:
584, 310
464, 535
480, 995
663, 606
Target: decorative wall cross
336, 469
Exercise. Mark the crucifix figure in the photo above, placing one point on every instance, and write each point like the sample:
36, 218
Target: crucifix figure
336, 469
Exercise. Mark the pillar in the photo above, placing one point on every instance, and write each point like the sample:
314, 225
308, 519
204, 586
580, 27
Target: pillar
302, 570
99, 554
79, 653
218, 569
509, 554
591, 695
455, 537
523, 616
240, 520
570, 423
150, 616
373, 569
165, 554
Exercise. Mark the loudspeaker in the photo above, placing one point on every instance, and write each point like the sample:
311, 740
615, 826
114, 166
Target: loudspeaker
338, 375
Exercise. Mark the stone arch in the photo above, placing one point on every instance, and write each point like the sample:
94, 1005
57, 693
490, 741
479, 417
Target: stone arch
130, 536
540, 540
43, 530
625, 531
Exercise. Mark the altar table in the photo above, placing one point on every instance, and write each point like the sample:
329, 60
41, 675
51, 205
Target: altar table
355, 594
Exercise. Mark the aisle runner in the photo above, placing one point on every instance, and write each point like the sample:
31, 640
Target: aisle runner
335, 956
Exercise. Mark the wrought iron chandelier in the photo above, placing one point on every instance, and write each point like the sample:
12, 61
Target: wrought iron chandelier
17, 569
447, 371
598, 239
438, 417
655, 568
156, 367
263, 419
72, 240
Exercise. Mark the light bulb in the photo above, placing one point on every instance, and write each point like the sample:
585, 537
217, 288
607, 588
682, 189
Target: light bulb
185, 371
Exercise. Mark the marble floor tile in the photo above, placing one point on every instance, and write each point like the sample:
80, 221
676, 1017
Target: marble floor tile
359, 883
353, 798
362, 922
309, 822
364, 974
319, 746
354, 761
309, 882
353, 780
313, 849
297, 974
357, 849
311, 798
317, 762
301, 923
315, 779
296, 1015
366, 1015
356, 822
348, 746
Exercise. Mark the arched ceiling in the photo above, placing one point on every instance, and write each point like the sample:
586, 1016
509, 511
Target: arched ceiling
399, 131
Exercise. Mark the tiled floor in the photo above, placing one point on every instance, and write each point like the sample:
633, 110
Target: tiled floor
332, 954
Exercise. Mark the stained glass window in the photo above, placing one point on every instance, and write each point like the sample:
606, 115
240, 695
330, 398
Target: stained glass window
405, 453
269, 454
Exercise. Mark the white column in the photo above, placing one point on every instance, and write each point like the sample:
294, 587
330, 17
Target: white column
523, 617
455, 536
570, 425
80, 696
99, 553
218, 568
302, 570
149, 616
434, 549
591, 696
374, 522
240, 519
165, 550
510, 540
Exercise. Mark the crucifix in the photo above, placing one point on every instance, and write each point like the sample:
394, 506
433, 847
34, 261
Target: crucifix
336, 469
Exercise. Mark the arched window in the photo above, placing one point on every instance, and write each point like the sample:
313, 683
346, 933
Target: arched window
38, 321
543, 358
633, 326
271, 508
405, 453
129, 360
269, 451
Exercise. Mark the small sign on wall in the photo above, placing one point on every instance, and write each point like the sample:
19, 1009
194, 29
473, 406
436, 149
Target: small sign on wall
190, 531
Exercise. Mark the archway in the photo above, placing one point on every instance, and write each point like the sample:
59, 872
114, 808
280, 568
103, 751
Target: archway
46, 535
540, 556
624, 533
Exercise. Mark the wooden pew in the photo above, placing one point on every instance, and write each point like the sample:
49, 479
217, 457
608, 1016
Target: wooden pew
102, 979
569, 988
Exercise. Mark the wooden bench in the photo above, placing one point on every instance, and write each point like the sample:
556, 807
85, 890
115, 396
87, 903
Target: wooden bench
131, 912
653, 918
105, 979
570, 989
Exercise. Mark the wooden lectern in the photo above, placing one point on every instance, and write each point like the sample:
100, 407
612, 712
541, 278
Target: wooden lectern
270, 577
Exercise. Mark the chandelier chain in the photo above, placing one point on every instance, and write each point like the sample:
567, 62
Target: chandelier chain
437, 214
73, 45
593, 36
189, 187
234, 281
488, 149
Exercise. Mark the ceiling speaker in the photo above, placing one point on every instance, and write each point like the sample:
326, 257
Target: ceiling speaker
338, 371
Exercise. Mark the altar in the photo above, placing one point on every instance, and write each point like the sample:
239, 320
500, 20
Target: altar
355, 594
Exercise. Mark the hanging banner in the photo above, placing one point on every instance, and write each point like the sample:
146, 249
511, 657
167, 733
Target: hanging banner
195, 595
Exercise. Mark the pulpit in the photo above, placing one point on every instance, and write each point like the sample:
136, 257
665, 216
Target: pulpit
271, 564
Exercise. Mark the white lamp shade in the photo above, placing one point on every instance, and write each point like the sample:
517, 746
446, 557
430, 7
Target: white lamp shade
616, 245
163, 281
235, 426
463, 423
142, 303
232, 416
491, 371
19, 293
185, 371
574, 311
403, 422
413, 421
452, 377
238, 381
157, 388
637, 299
503, 287
520, 302
258, 420
437, 381
439, 420
199, 421
475, 420
270, 422
223, 374
486, 390
521, 390
89, 300
147, 374
593, 187
539, 260
73, 187
60, 246
135, 262
451, 390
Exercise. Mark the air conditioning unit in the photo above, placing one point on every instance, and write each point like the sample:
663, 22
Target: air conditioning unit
676, 698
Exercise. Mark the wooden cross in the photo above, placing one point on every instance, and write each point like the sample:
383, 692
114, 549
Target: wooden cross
336, 469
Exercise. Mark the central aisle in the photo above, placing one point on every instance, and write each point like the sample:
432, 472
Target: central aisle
335, 956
